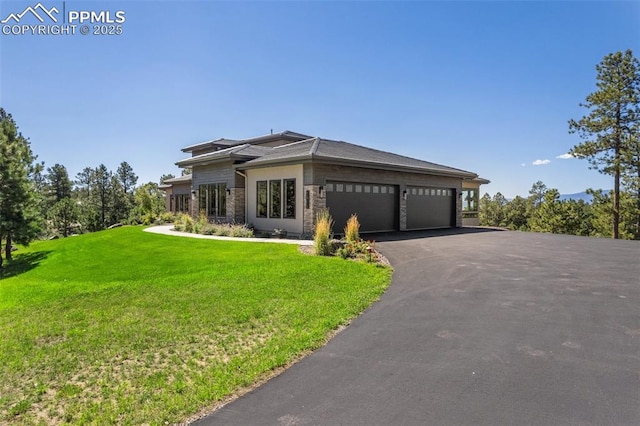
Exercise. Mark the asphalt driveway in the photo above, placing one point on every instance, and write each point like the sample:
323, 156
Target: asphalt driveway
489, 328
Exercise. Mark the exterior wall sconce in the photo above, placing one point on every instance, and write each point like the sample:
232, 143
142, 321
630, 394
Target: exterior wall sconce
404, 195
307, 198
228, 191
320, 191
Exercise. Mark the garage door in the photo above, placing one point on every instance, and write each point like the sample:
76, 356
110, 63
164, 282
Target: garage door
430, 207
375, 204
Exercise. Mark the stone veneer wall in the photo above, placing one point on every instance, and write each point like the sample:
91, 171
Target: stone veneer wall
403, 209
236, 206
317, 203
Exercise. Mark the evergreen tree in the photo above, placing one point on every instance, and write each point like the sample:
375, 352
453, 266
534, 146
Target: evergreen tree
57, 184
20, 214
64, 215
610, 130
102, 186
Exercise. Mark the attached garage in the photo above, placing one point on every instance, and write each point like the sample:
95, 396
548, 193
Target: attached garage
430, 207
375, 204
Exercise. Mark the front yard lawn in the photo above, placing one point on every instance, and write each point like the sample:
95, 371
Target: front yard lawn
124, 326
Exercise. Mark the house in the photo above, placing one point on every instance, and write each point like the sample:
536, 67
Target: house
281, 180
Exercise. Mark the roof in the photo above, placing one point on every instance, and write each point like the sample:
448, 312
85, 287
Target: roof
240, 152
211, 143
339, 152
168, 183
179, 179
223, 142
481, 181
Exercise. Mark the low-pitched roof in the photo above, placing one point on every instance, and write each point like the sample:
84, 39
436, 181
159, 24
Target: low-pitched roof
211, 143
179, 179
286, 135
241, 152
340, 152
168, 183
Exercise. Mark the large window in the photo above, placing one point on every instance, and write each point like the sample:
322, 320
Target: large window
276, 198
261, 201
179, 203
470, 200
289, 198
213, 199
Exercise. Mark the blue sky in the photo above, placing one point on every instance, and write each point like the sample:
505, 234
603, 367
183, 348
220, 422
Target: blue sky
482, 86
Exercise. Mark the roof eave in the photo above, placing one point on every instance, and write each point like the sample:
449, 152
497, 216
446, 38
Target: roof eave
363, 164
202, 162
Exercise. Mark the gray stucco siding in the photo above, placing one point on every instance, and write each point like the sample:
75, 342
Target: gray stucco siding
214, 173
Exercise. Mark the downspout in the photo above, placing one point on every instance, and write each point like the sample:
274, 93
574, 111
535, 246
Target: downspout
246, 200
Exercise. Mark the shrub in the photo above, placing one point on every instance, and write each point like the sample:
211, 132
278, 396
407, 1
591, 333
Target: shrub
364, 250
200, 223
147, 219
166, 217
208, 229
185, 223
180, 222
188, 223
241, 231
352, 230
322, 233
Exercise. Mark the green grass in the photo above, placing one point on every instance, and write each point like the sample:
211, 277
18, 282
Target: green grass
127, 327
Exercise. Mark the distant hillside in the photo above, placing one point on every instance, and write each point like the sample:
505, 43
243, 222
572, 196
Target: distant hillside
578, 196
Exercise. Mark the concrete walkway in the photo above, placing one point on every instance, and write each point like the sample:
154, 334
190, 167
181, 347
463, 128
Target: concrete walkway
168, 230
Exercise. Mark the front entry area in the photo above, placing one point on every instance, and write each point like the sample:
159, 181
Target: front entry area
375, 204
430, 207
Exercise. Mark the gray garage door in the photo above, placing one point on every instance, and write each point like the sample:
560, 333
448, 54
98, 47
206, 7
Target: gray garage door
430, 207
375, 204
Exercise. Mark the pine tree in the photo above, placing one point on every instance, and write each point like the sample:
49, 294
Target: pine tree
610, 130
20, 215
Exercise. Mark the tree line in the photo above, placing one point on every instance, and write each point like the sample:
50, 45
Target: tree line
44, 202
543, 211
611, 143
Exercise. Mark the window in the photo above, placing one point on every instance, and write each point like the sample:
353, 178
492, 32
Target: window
289, 198
213, 199
179, 203
275, 199
261, 195
470, 200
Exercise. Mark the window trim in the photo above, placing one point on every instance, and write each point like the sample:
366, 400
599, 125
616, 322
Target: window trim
285, 206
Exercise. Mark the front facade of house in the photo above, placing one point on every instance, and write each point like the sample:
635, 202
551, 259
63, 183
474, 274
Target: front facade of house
282, 180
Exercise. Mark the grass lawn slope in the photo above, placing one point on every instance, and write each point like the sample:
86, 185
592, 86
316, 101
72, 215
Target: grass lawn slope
123, 326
